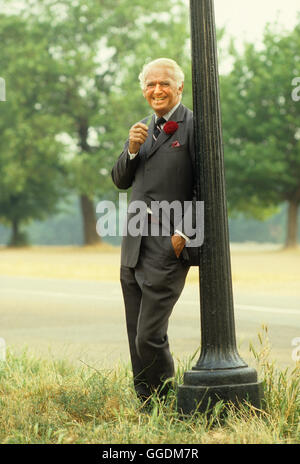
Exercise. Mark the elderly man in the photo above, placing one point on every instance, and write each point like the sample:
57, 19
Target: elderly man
158, 163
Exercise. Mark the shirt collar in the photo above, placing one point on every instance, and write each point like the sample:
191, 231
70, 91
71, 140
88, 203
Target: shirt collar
169, 114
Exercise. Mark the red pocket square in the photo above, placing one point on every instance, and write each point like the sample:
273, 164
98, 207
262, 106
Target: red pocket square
175, 144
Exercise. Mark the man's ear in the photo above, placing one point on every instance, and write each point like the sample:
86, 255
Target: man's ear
180, 89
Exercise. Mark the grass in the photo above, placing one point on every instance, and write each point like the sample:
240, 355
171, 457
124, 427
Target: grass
53, 402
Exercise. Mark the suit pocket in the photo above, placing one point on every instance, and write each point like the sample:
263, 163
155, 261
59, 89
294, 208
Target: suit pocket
171, 251
175, 150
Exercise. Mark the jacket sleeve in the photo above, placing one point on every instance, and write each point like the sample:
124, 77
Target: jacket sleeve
124, 169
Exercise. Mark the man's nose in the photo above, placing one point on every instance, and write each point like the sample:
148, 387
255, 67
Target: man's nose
157, 87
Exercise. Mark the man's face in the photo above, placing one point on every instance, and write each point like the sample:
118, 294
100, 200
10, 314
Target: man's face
161, 89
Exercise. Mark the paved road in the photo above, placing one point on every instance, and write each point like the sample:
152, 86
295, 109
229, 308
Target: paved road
84, 320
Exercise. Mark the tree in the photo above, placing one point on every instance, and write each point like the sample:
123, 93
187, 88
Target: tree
261, 124
31, 170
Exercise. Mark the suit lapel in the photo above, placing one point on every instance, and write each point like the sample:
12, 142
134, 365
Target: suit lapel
163, 137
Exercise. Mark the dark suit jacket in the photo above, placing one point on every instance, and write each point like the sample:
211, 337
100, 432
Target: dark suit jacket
159, 172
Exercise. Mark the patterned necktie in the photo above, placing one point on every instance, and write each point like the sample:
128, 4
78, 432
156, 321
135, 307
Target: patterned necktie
157, 129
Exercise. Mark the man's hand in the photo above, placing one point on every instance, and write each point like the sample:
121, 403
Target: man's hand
137, 136
178, 243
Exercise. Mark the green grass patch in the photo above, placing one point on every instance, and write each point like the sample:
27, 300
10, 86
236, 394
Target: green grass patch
43, 401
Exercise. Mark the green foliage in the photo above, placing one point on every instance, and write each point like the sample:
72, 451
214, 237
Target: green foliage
30, 166
261, 125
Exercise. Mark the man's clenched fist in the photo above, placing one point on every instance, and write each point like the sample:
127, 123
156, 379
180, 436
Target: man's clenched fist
137, 136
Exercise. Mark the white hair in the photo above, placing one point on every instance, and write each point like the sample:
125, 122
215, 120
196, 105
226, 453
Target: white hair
168, 63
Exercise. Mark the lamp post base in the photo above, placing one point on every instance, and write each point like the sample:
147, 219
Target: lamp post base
203, 389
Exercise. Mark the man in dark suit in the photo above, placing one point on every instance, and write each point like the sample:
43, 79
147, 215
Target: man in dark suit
158, 163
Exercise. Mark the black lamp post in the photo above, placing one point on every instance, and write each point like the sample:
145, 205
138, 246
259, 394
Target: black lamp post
220, 373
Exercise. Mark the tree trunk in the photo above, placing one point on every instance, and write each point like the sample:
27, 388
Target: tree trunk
292, 224
89, 221
17, 238
87, 206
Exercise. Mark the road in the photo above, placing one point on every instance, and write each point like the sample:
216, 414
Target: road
84, 321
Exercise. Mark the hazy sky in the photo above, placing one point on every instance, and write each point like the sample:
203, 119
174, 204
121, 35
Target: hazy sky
246, 19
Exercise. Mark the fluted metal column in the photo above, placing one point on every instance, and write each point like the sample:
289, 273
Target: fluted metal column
220, 373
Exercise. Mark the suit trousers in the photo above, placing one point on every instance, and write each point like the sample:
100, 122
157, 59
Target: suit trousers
150, 291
